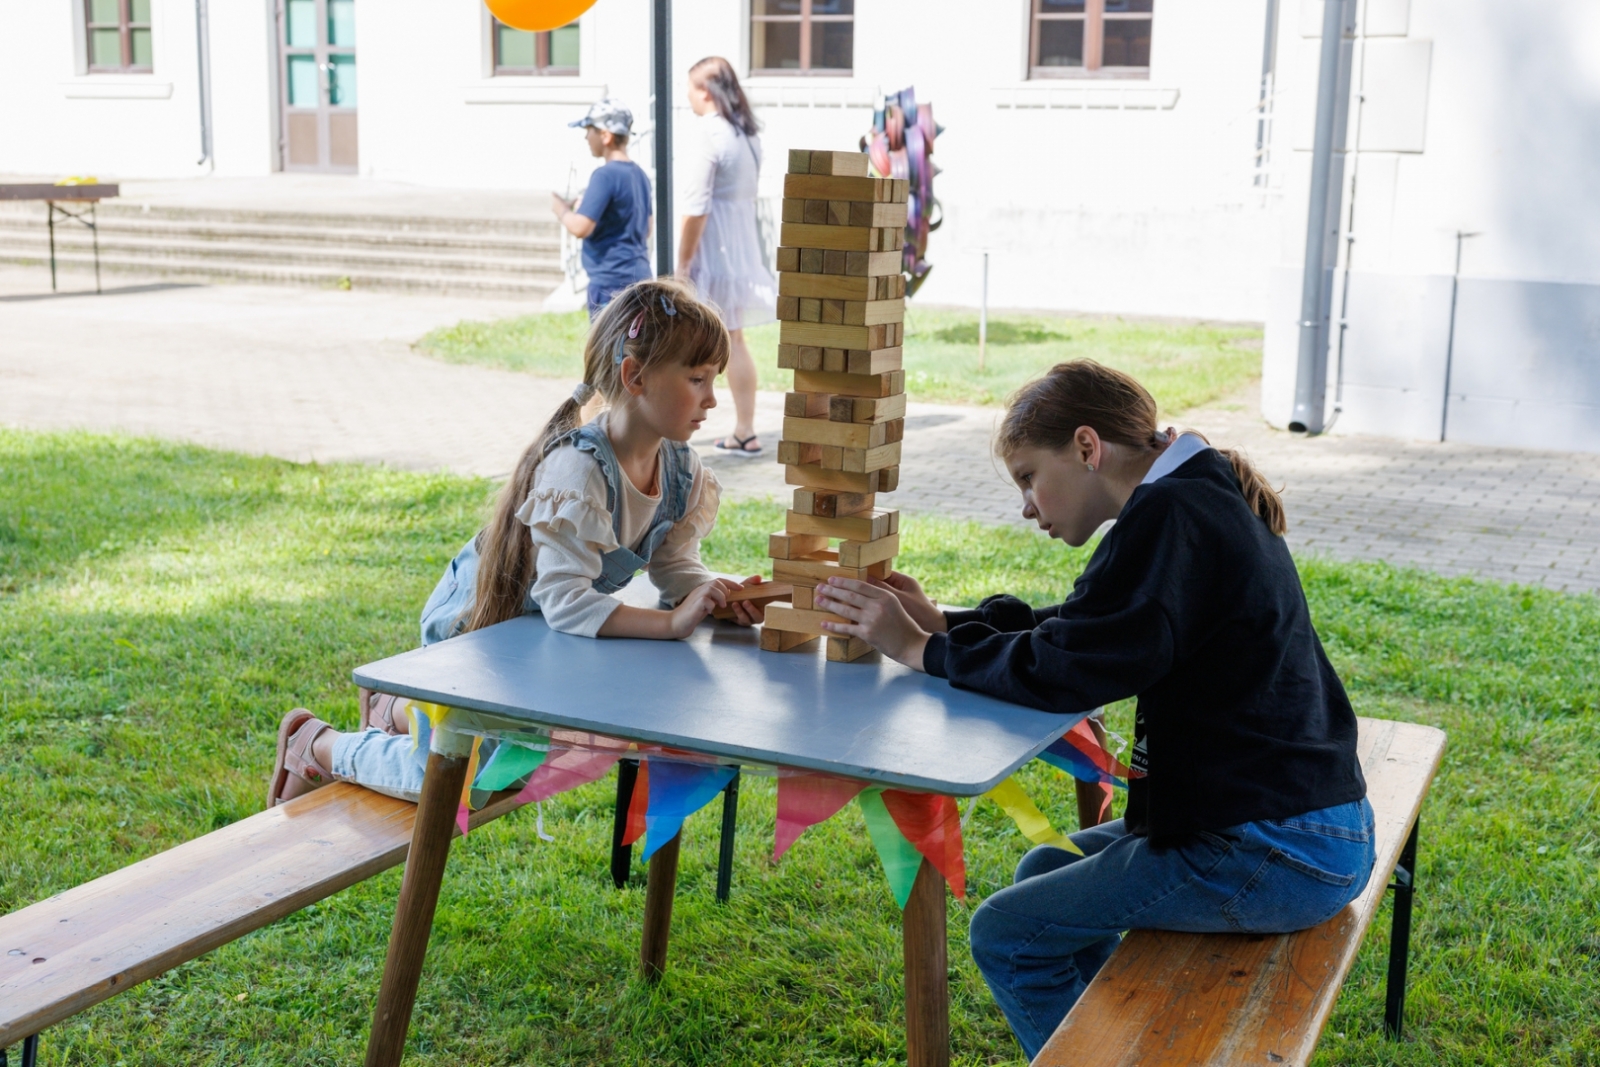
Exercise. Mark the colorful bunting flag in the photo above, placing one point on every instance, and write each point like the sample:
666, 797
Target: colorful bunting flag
466, 785
900, 857
638, 804
932, 823
806, 798
1031, 822
677, 791
567, 768
507, 764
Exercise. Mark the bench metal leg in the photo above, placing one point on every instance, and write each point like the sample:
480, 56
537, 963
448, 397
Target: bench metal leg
413, 917
622, 855
30, 1053
730, 817
50, 214
658, 892
1404, 886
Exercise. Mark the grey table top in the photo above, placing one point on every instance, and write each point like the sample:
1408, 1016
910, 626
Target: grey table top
717, 693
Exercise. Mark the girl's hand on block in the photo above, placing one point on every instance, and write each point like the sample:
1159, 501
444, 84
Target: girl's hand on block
745, 612
697, 605
923, 611
876, 616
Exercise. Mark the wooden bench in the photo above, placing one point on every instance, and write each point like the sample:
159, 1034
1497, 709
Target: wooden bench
77, 948
1215, 999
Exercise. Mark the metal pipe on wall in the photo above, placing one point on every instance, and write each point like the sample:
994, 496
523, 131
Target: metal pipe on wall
1311, 374
661, 78
1269, 64
202, 29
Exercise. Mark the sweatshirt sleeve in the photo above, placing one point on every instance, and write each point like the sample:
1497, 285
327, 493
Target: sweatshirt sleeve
567, 519
1004, 613
675, 568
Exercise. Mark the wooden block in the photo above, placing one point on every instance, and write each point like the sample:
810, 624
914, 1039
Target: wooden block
863, 213
804, 597
861, 460
793, 620
788, 259
877, 361
894, 430
871, 526
816, 476
788, 307
820, 566
811, 260
842, 164
865, 409
832, 457
824, 431
799, 161
779, 641
888, 479
843, 238
835, 261
847, 649
872, 264
865, 553
793, 452
760, 595
831, 503
872, 312
835, 286
838, 212
800, 357
794, 211
833, 312
829, 187
784, 545
806, 405
810, 309
886, 383
899, 190
835, 359
815, 213
826, 335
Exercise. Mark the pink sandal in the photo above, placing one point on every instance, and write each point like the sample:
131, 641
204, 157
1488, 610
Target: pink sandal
378, 712
296, 732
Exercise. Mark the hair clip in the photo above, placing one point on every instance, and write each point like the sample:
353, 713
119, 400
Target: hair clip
638, 321
666, 305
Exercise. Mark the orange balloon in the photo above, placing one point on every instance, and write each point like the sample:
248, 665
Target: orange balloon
537, 15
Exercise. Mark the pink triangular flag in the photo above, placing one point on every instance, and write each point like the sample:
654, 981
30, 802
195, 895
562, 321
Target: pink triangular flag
806, 798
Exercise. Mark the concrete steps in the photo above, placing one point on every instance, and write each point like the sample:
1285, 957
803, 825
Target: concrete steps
513, 258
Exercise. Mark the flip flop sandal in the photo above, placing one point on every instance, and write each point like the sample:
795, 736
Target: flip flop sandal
378, 711
740, 446
296, 732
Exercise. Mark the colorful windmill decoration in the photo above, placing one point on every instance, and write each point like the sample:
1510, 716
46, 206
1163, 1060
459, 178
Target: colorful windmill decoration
901, 146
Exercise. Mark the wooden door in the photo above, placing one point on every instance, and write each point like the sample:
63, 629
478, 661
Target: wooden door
317, 103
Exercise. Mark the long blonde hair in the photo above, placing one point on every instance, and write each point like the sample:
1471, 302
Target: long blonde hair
1047, 412
656, 322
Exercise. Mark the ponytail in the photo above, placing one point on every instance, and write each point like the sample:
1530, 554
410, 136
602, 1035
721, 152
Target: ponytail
653, 322
1047, 412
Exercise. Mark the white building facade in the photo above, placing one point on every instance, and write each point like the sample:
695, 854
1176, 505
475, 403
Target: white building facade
1126, 156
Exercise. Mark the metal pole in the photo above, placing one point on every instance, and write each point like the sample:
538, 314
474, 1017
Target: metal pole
661, 61
1311, 374
94, 234
1269, 62
50, 215
202, 29
983, 315
730, 825
622, 855
1405, 887
1450, 342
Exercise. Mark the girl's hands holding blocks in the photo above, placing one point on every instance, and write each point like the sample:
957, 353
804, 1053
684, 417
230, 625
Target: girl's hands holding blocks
877, 615
745, 612
922, 609
682, 620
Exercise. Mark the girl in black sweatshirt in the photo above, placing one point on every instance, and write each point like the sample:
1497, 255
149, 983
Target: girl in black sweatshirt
1249, 813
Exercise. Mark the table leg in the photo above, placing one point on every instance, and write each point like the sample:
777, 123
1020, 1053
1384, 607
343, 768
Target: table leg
927, 972
658, 890
413, 917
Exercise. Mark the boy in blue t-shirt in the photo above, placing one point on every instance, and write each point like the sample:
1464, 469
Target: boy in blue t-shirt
613, 215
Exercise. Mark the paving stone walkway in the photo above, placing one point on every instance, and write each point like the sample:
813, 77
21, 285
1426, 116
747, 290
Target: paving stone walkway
331, 376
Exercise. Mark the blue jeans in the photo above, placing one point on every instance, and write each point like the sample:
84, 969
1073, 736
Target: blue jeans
1040, 941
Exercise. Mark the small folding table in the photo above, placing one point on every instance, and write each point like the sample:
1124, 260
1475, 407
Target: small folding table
54, 196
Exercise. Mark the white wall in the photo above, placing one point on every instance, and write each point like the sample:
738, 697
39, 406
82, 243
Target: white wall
1500, 122
58, 120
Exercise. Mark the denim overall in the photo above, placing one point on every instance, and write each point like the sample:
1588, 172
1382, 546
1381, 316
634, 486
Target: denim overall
445, 613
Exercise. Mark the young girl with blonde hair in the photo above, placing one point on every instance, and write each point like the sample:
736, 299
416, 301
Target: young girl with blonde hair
1248, 812
589, 506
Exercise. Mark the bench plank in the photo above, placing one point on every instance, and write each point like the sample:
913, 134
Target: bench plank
1216, 999
103, 937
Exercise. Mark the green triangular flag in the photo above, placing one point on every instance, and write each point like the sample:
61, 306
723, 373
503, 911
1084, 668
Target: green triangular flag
509, 763
901, 860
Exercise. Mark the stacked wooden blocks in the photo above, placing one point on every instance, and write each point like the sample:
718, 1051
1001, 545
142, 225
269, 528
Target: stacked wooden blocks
841, 306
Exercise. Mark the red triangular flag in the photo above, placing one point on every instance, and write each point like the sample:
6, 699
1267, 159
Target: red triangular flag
932, 823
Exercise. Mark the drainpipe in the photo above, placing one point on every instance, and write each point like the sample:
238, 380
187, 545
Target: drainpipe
1269, 64
202, 29
661, 60
1311, 375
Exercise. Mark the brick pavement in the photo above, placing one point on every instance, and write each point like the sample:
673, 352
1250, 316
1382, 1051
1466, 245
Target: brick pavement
330, 376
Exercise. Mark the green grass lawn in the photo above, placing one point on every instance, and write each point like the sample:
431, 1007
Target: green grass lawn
162, 605
1183, 366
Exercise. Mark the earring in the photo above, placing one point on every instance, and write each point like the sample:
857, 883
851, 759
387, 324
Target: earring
1091, 468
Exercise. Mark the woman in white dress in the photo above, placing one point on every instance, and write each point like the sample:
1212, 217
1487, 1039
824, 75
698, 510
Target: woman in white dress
721, 247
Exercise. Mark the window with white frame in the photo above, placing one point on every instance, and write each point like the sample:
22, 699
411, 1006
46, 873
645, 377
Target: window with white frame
1088, 38
117, 36
521, 52
802, 36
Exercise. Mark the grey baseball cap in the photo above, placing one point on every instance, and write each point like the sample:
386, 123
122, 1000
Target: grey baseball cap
609, 115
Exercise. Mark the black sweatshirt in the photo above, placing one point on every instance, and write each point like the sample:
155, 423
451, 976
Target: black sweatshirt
1191, 604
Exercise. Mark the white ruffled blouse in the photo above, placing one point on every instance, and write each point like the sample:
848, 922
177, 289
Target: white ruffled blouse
567, 518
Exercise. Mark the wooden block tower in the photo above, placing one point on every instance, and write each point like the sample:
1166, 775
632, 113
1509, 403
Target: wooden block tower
841, 307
